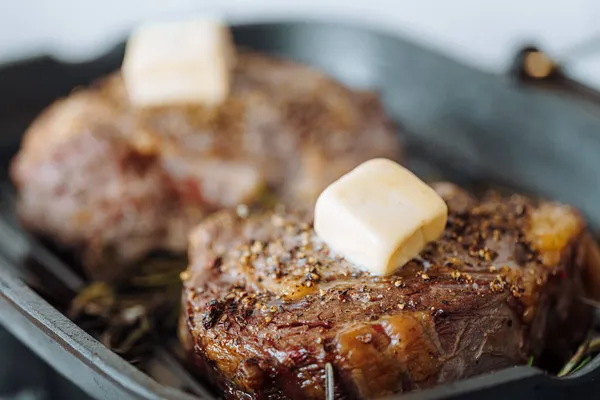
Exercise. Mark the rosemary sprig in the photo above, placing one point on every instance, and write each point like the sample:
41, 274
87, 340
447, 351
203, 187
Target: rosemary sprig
126, 314
131, 339
582, 364
95, 300
530, 362
577, 361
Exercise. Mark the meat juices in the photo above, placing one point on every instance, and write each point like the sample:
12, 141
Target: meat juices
266, 305
116, 182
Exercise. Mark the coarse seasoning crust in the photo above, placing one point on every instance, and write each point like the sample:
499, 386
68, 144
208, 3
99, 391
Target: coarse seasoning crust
266, 304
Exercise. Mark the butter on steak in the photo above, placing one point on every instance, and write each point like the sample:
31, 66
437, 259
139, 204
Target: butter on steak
266, 304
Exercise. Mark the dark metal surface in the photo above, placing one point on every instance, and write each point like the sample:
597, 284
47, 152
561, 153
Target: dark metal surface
23, 376
469, 126
71, 351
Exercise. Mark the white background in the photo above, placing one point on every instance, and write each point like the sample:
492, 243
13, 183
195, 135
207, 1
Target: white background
484, 33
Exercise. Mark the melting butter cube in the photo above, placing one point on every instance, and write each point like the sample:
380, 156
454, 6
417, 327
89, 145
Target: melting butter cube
379, 216
186, 62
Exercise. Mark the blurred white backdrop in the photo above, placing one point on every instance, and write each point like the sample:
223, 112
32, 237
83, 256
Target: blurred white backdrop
481, 33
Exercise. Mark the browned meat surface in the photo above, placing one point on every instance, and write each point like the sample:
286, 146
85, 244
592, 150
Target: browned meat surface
266, 304
116, 182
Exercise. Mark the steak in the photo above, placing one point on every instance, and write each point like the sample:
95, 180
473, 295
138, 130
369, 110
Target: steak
116, 182
266, 304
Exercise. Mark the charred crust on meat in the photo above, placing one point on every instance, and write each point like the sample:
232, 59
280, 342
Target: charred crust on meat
212, 313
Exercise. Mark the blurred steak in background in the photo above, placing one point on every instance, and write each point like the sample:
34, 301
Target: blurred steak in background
116, 182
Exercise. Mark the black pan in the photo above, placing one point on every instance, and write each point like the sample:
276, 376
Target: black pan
459, 123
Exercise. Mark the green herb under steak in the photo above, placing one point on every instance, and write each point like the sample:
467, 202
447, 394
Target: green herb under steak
530, 362
130, 314
582, 356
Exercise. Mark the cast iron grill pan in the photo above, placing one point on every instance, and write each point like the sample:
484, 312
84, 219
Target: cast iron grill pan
460, 124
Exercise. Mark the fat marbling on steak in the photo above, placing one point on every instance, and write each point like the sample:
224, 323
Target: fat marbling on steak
117, 182
266, 304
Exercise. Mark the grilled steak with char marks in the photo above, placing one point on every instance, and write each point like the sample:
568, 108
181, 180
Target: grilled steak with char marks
266, 304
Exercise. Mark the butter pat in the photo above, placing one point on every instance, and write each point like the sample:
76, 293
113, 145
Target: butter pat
379, 216
186, 62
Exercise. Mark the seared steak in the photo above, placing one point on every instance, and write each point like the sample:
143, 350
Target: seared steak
116, 182
267, 305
